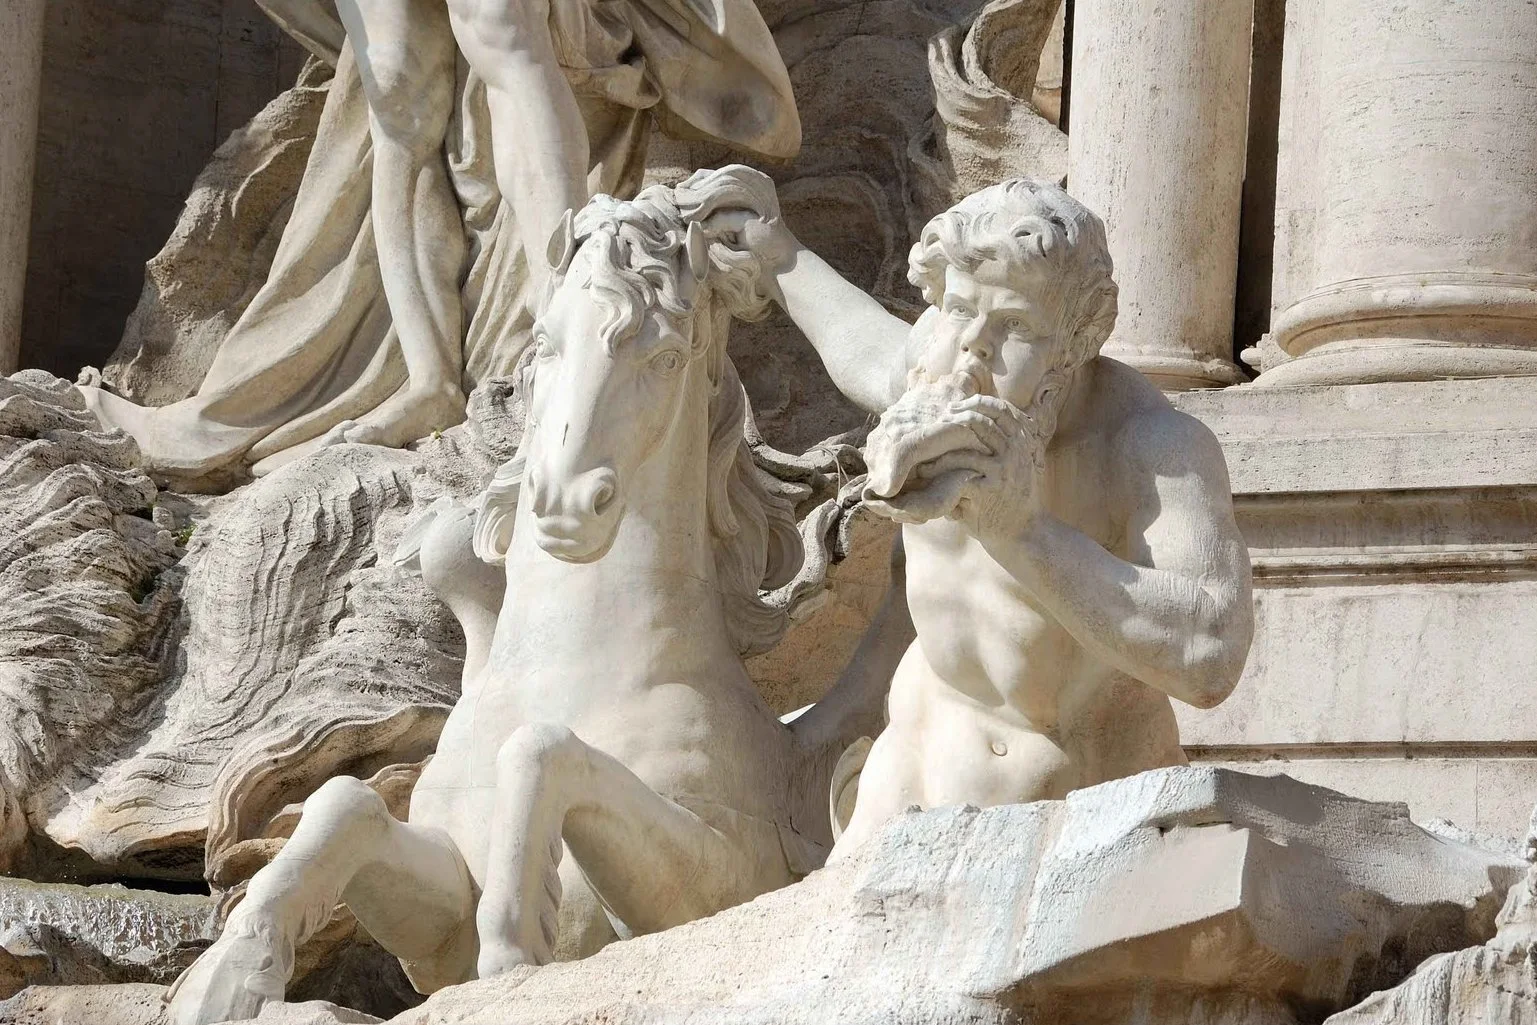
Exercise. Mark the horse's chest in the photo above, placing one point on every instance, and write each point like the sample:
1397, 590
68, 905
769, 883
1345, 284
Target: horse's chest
621, 712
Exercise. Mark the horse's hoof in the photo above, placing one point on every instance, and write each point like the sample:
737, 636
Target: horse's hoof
498, 958
230, 981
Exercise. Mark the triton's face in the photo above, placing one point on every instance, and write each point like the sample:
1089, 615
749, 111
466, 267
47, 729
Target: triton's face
990, 330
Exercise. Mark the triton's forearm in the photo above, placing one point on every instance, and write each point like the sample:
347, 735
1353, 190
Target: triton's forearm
862, 346
1161, 627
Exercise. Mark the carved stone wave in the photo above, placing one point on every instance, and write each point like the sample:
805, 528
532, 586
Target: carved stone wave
87, 599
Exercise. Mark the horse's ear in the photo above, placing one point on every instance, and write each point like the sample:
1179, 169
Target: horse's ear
562, 244
698, 248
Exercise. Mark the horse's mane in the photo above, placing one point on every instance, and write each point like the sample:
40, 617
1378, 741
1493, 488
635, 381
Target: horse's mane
640, 265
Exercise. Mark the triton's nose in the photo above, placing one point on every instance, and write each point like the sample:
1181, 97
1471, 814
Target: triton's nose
974, 342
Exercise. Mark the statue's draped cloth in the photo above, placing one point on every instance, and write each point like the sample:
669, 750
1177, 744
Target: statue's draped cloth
316, 347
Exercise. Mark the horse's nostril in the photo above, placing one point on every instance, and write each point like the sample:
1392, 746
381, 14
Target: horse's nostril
534, 494
602, 498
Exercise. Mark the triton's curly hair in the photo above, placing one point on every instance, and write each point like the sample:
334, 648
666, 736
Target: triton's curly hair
1029, 226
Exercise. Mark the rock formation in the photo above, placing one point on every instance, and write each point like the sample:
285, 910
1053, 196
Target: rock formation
1183, 896
87, 608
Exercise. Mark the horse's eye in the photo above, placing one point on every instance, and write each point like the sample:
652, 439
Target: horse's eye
542, 347
669, 362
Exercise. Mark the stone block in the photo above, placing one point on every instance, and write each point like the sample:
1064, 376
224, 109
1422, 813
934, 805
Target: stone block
1485, 793
1390, 528
61, 934
1265, 885
1196, 896
1189, 895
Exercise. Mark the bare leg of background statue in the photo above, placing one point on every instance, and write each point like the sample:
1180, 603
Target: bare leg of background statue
407, 885
538, 135
406, 56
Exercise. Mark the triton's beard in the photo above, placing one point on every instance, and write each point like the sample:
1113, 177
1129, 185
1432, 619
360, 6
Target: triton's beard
907, 481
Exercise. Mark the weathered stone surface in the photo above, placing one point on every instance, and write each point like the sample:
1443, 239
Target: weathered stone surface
86, 600
135, 97
59, 934
1181, 895
21, 59
218, 255
1495, 984
144, 1004
301, 657
128, 1004
148, 698
1390, 529
1192, 896
63, 935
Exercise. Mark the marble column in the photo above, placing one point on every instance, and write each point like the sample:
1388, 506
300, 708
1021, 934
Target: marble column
1407, 241
1156, 148
21, 61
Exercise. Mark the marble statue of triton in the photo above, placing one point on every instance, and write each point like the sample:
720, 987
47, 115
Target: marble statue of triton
1072, 556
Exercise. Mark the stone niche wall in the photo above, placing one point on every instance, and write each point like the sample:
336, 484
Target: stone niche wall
136, 96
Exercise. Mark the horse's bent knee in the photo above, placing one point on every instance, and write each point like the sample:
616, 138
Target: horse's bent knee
535, 749
346, 799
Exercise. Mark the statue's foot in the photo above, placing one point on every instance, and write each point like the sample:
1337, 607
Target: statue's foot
230, 981
409, 415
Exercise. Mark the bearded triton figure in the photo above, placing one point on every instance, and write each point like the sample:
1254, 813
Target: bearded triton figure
1072, 556
370, 325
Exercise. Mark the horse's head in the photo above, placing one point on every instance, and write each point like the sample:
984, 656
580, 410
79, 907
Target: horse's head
632, 338
634, 327
614, 356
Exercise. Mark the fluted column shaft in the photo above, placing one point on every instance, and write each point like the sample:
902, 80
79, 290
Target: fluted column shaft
1416, 209
1156, 148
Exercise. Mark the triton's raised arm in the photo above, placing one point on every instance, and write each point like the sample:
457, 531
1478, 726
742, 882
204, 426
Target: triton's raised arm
862, 345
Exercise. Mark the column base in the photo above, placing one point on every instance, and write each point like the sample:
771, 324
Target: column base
1179, 372
1376, 362
1409, 327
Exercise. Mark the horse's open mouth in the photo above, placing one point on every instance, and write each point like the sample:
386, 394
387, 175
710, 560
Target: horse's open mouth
570, 539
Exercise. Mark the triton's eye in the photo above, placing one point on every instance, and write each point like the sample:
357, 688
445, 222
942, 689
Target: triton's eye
960, 311
667, 363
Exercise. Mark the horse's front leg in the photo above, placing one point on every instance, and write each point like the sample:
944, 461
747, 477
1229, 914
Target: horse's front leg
653, 863
407, 885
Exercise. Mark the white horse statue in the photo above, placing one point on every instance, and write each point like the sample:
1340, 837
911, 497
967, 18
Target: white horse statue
608, 745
